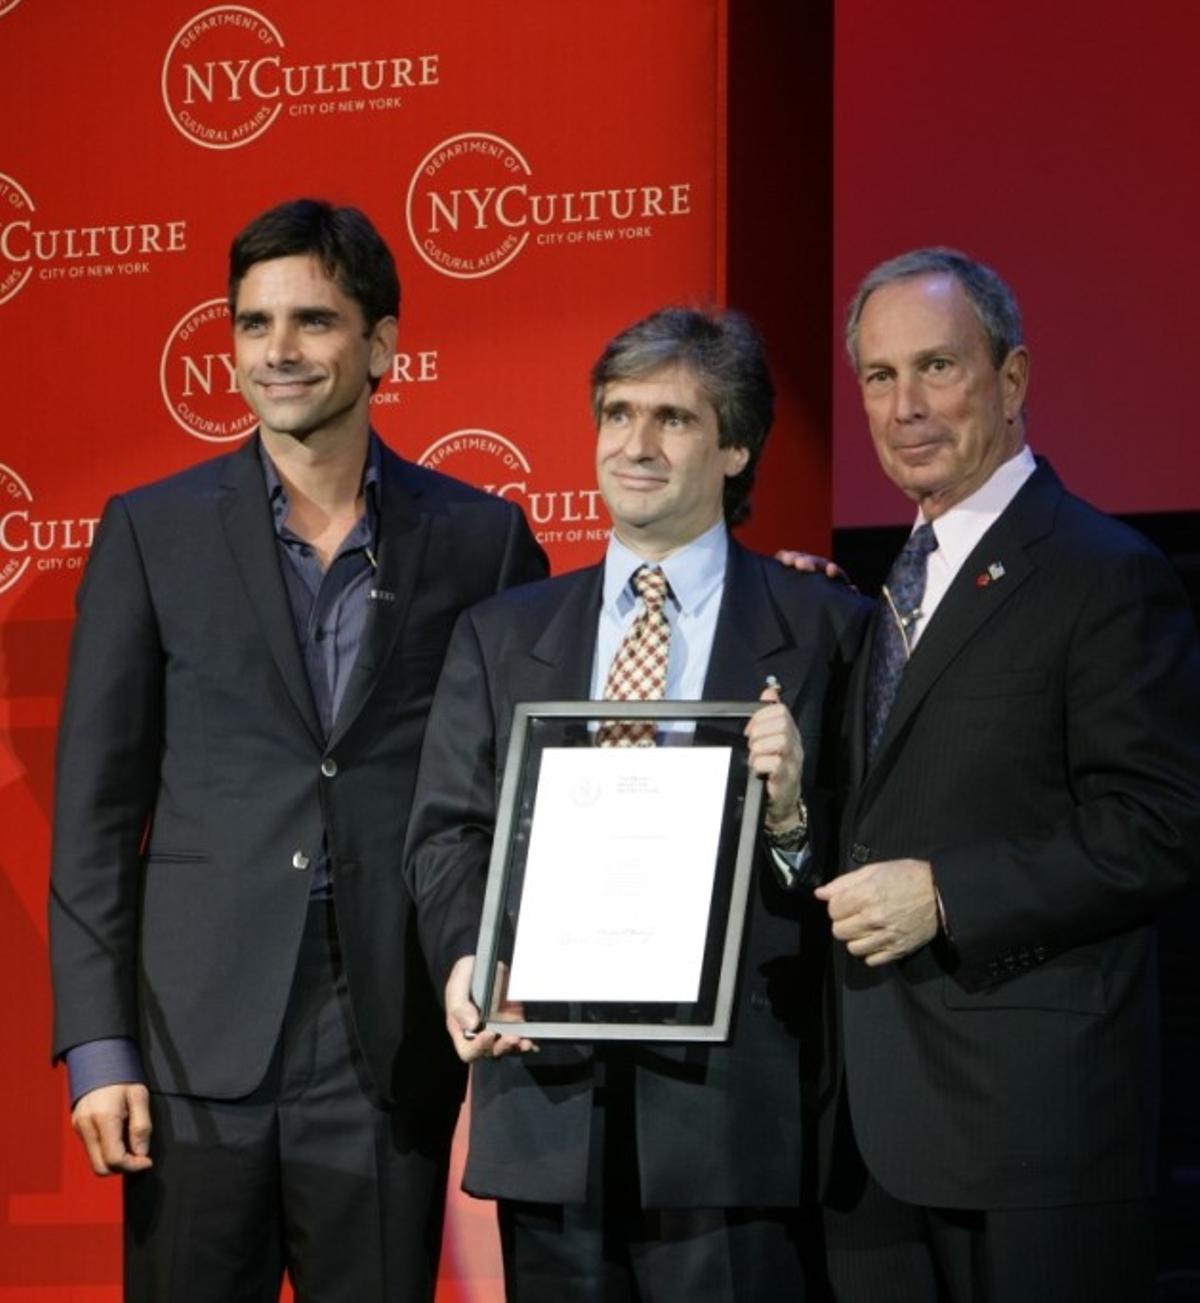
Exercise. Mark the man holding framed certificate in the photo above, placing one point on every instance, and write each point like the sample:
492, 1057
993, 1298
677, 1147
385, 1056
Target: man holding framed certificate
645, 1167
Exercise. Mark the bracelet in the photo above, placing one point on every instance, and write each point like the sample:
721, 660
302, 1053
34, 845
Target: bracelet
792, 839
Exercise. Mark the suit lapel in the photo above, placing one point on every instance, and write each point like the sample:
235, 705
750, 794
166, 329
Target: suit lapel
751, 641
857, 702
250, 536
967, 606
561, 659
403, 534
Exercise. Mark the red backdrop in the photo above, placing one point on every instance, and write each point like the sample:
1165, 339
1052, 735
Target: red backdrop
545, 175
1057, 143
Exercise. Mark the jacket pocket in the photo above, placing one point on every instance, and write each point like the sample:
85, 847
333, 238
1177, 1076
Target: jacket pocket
1063, 988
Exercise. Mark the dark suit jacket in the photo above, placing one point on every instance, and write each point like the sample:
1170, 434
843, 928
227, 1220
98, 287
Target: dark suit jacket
1044, 754
194, 782
716, 1126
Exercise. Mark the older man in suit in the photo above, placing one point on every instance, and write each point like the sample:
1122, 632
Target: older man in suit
248, 1038
1024, 751
630, 1173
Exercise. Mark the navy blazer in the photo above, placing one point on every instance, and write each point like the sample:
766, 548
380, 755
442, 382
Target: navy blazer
195, 787
717, 1126
1043, 753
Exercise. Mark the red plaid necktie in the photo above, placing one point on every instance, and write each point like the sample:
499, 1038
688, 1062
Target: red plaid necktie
639, 669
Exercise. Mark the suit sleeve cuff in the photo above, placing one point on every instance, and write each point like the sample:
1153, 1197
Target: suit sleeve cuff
792, 868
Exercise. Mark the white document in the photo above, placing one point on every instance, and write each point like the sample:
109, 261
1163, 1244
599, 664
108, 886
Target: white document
619, 876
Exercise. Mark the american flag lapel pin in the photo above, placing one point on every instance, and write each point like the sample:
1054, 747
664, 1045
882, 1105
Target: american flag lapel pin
994, 572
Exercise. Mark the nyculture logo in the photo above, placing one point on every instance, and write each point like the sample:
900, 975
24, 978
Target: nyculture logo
31, 246
16, 214
497, 465
198, 379
228, 75
197, 376
473, 206
29, 541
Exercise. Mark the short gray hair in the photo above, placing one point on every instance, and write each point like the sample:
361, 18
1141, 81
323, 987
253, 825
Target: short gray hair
725, 353
994, 303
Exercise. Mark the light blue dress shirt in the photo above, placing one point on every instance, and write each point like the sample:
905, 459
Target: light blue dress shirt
696, 575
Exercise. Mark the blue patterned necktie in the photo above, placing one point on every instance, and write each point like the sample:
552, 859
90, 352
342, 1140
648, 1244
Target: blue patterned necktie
899, 609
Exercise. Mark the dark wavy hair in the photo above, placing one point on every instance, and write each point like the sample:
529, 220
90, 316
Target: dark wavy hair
725, 353
343, 240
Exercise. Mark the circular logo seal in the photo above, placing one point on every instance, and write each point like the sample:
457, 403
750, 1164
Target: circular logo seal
220, 77
467, 205
16, 208
481, 457
197, 376
13, 489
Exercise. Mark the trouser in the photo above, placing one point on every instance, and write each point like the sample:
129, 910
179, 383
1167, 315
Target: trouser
882, 1250
611, 1250
310, 1173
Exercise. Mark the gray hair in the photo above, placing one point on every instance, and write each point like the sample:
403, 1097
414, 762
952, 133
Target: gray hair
725, 354
993, 301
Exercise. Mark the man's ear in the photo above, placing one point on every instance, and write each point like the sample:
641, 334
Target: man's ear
1014, 375
383, 345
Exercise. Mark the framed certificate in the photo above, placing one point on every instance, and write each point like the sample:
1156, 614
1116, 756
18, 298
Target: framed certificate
617, 889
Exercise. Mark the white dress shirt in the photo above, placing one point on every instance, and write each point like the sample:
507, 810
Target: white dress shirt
959, 530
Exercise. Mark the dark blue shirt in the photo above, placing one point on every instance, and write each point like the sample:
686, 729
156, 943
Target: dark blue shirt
329, 607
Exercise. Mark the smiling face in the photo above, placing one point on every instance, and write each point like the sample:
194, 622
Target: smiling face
659, 465
304, 355
943, 416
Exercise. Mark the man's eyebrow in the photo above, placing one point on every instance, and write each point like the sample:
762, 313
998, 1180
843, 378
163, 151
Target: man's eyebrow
673, 411
317, 312
924, 355
660, 411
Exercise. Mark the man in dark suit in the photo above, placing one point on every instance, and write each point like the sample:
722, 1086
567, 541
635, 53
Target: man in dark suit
647, 1172
1024, 757
248, 1036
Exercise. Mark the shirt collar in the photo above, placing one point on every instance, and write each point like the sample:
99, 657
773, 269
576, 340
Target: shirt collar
372, 482
693, 572
961, 527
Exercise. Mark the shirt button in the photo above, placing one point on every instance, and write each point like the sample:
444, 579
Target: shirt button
299, 860
318, 635
305, 551
329, 766
758, 1001
859, 853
